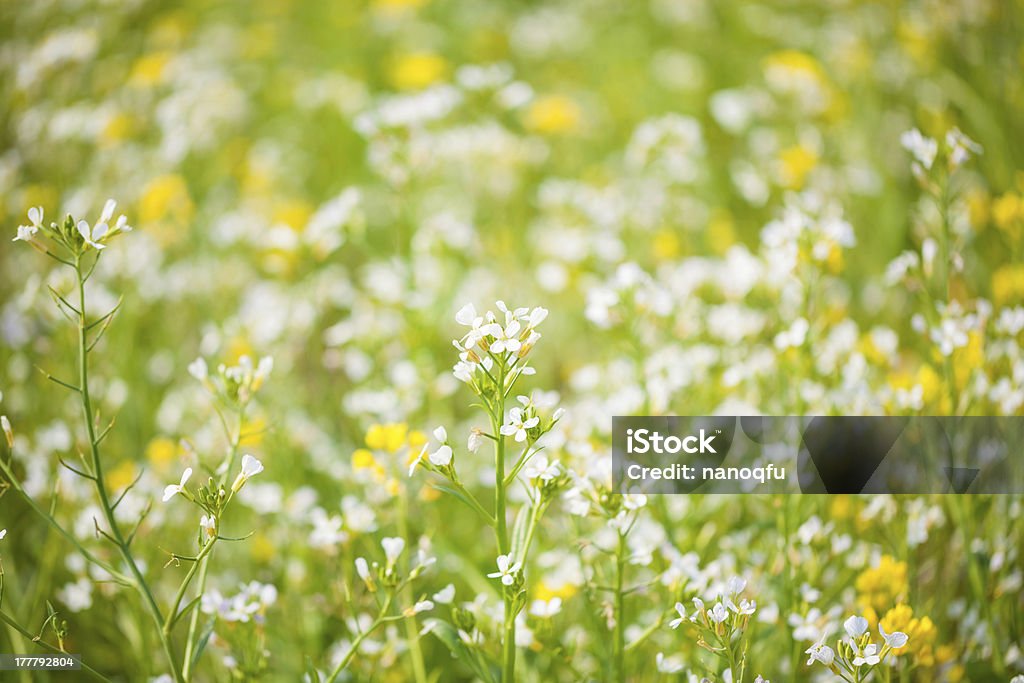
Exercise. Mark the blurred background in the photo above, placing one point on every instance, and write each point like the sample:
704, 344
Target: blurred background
327, 183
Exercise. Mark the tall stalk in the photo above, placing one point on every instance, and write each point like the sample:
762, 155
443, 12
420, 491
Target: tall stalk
97, 473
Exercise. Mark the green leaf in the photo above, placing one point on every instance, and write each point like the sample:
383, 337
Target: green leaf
519, 529
448, 635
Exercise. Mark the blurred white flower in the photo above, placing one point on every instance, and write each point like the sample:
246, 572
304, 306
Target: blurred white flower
545, 609
921, 147
393, 547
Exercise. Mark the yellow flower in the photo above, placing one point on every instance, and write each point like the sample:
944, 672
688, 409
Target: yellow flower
842, 507
121, 476
968, 358
545, 591
417, 70
666, 245
881, 586
363, 459
552, 115
166, 197
920, 630
119, 127
387, 437
795, 164
1008, 284
148, 70
294, 213
1008, 214
160, 452
255, 428
237, 347
720, 233
262, 548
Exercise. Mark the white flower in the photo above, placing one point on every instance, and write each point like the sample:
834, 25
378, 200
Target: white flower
441, 434
442, 457
393, 547
475, 441
5, 425
363, 569
540, 468
198, 369
760, 679
718, 613
3, 533
250, 468
445, 595
736, 585
173, 489
856, 626
518, 424
507, 570
960, 147
895, 640
869, 656
209, 525
921, 147
505, 338
467, 315
27, 232
819, 652
422, 606
681, 611
668, 665
545, 609
537, 316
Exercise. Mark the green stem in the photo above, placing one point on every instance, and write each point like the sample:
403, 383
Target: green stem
204, 563
173, 613
359, 640
508, 643
7, 619
619, 643
101, 486
411, 630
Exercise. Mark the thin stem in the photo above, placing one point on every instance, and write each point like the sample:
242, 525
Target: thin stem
7, 619
101, 486
172, 614
619, 643
411, 630
508, 643
204, 563
359, 640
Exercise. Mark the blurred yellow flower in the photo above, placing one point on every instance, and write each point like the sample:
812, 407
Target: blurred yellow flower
237, 347
666, 245
417, 70
387, 437
721, 233
119, 127
881, 586
167, 197
255, 429
1008, 284
552, 115
294, 213
362, 459
161, 452
1008, 214
120, 476
262, 548
795, 163
148, 70
546, 590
